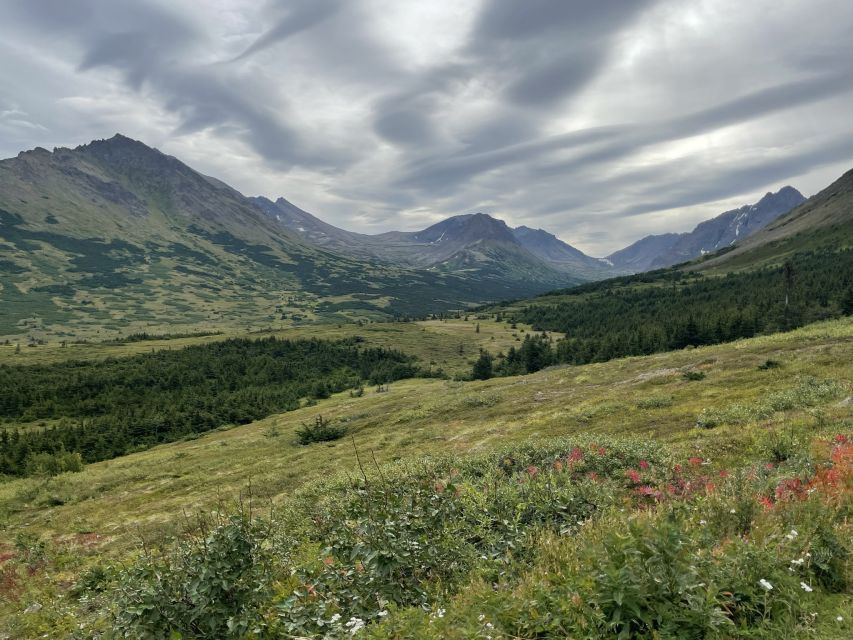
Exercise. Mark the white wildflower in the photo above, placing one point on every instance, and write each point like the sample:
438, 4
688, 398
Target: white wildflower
840, 619
732, 510
382, 614
440, 613
481, 617
354, 625
798, 561
793, 534
703, 522
765, 584
806, 587
335, 618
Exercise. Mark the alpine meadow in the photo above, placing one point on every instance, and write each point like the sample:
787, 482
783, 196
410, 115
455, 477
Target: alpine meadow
536, 322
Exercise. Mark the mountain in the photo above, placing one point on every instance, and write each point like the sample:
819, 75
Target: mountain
658, 251
559, 254
115, 237
824, 222
474, 245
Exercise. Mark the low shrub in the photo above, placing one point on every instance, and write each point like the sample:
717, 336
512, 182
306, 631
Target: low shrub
321, 431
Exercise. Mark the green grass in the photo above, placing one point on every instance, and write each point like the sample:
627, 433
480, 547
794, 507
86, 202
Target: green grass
435, 342
103, 511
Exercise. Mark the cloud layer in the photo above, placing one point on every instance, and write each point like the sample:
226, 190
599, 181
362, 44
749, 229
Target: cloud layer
599, 121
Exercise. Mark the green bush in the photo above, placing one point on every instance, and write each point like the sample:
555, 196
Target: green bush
321, 431
655, 402
51, 464
209, 587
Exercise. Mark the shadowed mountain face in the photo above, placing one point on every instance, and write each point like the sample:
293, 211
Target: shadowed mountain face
658, 251
115, 237
823, 222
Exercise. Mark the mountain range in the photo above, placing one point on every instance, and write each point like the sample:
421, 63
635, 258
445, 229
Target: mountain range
115, 237
664, 250
470, 243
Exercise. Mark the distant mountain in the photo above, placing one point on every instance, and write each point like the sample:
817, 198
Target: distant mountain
658, 251
115, 237
473, 245
823, 222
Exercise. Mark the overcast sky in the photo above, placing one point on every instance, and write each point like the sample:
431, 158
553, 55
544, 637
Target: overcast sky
599, 121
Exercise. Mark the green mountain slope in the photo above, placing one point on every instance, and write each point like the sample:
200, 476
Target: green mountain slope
797, 270
114, 237
823, 222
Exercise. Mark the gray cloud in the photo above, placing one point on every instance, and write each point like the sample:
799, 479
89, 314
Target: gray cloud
298, 15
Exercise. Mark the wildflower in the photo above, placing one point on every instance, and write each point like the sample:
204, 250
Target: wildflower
724, 473
633, 475
677, 468
439, 487
644, 465
335, 618
732, 510
440, 613
840, 619
354, 625
695, 461
703, 522
532, 471
769, 466
793, 534
576, 455
558, 466
798, 561
767, 502
765, 585
806, 587
481, 617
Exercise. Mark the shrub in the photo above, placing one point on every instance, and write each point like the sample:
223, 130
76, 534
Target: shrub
769, 364
692, 376
51, 464
210, 586
655, 402
321, 431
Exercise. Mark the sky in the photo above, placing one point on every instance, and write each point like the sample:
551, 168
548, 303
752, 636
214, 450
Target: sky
599, 121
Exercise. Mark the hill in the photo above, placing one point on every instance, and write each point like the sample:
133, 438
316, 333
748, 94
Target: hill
114, 237
70, 541
822, 222
658, 251
797, 270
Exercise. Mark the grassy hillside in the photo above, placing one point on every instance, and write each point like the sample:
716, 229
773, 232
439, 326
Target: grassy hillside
64, 532
114, 237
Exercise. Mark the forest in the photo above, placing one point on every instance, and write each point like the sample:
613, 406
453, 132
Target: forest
91, 411
672, 309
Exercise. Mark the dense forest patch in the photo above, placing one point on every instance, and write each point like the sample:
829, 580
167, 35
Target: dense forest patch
106, 409
662, 311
